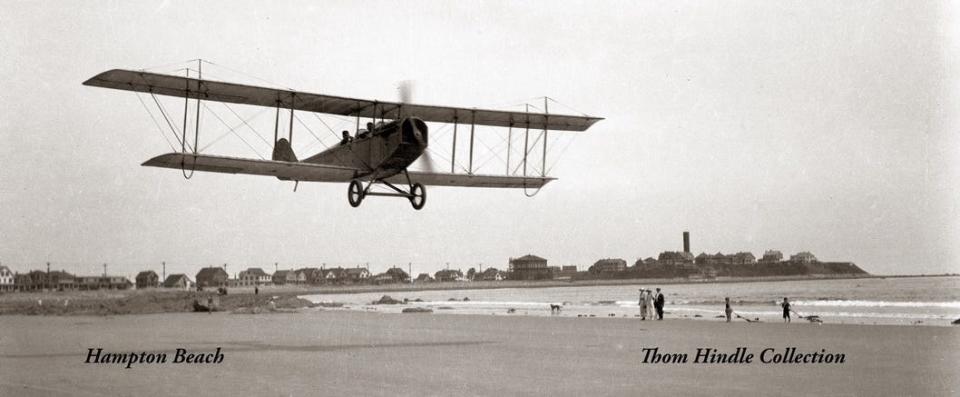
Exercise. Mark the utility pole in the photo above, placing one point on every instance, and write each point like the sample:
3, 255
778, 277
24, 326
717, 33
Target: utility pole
164, 270
48, 275
275, 266
104, 270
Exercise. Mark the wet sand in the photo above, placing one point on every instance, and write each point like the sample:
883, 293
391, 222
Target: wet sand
318, 352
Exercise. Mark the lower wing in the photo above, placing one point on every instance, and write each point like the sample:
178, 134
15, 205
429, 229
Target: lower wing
465, 180
310, 172
305, 172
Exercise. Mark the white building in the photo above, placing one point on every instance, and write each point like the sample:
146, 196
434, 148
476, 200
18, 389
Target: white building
254, 276
6, 279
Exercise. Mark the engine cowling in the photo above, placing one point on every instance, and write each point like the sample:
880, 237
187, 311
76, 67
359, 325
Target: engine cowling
414, 131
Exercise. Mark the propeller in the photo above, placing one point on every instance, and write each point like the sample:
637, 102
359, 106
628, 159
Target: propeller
428, 163
405, 90
405, 93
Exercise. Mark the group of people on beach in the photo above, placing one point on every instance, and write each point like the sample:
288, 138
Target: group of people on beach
648, 302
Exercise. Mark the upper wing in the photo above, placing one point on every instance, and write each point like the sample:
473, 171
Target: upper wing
212, 90
232, 165
308, 172
500, 181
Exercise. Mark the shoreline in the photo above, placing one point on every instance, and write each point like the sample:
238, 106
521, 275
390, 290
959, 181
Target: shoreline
158, 300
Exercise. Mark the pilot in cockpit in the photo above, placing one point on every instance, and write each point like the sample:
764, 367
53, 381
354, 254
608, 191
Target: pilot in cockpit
346, 138
364, 133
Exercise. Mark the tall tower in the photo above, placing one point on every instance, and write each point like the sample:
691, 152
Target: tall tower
686, 241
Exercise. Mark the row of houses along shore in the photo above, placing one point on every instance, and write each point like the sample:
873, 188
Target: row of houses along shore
668, 264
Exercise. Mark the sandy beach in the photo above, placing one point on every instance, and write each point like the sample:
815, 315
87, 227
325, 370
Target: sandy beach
328, 352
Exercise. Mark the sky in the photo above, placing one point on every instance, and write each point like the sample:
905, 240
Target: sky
792, 125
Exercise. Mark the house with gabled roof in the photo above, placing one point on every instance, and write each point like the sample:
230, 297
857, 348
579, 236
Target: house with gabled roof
309, 275
6, 279
283, 277
212, 277
253, 276
492, 274
178, 281
147, 279
448, 275
333, 275
356, 274
608, 266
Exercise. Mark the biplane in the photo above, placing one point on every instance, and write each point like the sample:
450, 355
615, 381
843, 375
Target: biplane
396, 136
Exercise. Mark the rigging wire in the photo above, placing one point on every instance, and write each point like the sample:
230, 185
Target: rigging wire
248, 124
163, 111
232, 130
156, 123
169, 64
325, 125
529, 149
438, 134
311, 132
494, 150
568, 107
247, 75
556, 159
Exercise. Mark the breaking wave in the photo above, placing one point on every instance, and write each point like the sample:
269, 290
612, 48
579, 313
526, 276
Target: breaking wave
864, 303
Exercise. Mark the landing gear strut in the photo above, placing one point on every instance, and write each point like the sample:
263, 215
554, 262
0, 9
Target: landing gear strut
416, 192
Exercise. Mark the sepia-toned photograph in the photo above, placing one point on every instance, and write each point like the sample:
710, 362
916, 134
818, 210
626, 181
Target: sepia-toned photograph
485, 198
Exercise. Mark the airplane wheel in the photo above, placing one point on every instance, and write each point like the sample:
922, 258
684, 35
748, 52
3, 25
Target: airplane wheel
419, 196
355, 193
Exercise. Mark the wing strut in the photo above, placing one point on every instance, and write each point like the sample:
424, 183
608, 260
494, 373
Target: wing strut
509, 141
196, 130
473, 123
276, 125
293, 98
543, 167
453, 155
526, 139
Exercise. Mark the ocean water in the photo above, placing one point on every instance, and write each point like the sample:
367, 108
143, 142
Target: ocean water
904, 301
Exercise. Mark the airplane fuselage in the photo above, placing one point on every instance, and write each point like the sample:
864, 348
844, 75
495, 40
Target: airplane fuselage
381, 153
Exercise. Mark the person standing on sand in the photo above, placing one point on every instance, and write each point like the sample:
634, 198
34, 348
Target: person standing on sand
643, 304
658, 304
648, 298
786, 310
728, 310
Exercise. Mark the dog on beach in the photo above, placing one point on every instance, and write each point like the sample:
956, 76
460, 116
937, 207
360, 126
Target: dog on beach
814, 319
555, 308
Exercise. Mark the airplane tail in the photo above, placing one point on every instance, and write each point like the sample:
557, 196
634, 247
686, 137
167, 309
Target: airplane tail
283, 152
